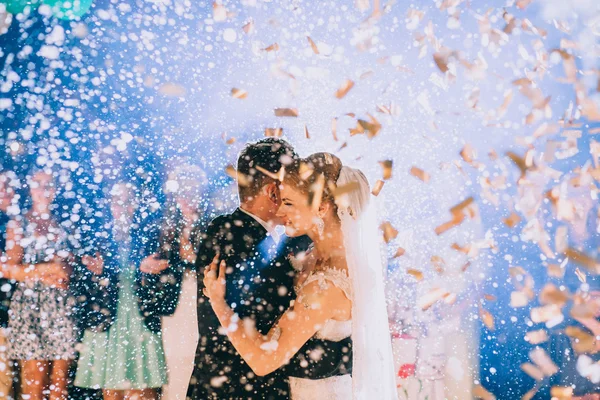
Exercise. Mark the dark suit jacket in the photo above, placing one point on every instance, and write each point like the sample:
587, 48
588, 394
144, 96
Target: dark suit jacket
259, 287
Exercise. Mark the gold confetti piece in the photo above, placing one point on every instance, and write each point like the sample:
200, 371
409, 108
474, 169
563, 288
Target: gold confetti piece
334, 129
347, 188
239, 93
536, 337
490, 297
240, 178
533, 371
306, 134
569, 66
317, 192
582, 311
219, 12
248, 28
479, 392
546, 313
561, 392
522, 4
273, 132
442, 58
518, 299
431, 297
468, 153
543, 361
399, 253
377, 187
286, 112
457, 220
366, 74
371, 127
487, 318
314, 47
273, 47
584, 260
416, 273
278, 176
518, 161
438, 264
344, 89
561, 241
419, 174
387, 165
512, 220
465, 266
556, 271
530, 393
550, 294
389, 232
584, 342
462, 206
172, 89
580, 275
546, 129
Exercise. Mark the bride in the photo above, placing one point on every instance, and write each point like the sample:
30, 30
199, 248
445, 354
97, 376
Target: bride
340, 292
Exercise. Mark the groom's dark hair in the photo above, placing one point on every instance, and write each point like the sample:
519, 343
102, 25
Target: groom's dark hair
270, 154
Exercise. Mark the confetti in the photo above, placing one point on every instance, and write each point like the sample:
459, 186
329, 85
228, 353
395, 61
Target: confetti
240, 178
533, 371
387, 166
536, 337
273, 47
334, 129
313, 46
418, 275
344, 89
419, 174
487, 318
479, 392
543, 361
249, 27
377, 187
389, 232
399, 252
171, 89
584, 260
239, 93
431, 297
286, 112
273, 132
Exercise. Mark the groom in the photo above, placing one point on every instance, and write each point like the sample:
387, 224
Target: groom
260, 288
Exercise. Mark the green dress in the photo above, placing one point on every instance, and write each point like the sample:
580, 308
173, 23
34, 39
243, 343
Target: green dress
128, 355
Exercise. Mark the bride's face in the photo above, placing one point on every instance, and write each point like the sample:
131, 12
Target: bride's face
295, 213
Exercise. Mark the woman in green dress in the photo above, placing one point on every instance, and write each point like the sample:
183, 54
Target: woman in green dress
120, 306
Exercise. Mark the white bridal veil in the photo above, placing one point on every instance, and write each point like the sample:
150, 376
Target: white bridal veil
372, 364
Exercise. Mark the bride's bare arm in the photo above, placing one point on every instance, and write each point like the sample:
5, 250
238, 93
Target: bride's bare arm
265, 354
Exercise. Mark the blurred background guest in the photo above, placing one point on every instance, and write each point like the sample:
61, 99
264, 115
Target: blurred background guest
122, 351
8, 182
184, 217
40, 330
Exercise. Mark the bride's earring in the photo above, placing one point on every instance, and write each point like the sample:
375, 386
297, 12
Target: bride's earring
320, 226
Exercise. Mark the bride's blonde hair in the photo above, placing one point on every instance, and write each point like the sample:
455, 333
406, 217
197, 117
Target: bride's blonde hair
315, 175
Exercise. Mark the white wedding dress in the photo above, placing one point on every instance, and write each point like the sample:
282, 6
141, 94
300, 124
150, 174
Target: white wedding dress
336, 387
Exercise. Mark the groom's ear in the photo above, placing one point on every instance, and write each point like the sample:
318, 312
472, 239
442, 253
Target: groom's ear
272, 190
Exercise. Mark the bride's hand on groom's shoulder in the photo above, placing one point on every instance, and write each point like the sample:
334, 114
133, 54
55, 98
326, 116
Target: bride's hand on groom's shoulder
214, 279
